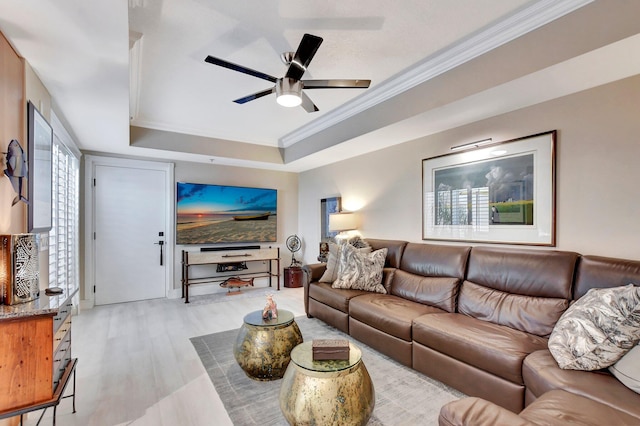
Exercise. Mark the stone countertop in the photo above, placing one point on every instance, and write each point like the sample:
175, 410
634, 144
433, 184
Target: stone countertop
43, 305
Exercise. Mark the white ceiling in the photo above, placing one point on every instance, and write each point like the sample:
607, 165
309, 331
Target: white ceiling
81, 52
360, 41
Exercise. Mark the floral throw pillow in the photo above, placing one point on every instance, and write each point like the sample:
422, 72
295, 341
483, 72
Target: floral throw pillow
360, 271
598, 329
331, 273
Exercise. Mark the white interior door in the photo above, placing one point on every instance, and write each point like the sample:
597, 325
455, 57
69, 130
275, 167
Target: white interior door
129, 216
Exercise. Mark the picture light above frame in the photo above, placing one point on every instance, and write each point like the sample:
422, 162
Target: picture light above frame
498, 193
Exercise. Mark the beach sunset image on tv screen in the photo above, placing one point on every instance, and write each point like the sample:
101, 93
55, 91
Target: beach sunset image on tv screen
208, 214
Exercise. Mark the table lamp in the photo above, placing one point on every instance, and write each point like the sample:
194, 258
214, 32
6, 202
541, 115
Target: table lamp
342, 222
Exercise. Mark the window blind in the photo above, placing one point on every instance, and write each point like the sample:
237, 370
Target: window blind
64, 237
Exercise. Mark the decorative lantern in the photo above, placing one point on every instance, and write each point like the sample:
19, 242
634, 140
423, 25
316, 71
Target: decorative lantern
19, 268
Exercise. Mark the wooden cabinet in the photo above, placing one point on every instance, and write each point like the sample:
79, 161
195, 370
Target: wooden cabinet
293, 277
25, 361
35, 354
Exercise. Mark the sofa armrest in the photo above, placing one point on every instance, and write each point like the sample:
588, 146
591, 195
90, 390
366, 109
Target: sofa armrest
477, 412
314, 271
311, 273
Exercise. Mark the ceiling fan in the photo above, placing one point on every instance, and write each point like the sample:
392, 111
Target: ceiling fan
288, 89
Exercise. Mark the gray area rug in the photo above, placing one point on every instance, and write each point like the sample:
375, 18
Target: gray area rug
403, 396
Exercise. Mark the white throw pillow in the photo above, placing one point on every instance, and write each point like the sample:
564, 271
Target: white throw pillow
598, 329
627, 369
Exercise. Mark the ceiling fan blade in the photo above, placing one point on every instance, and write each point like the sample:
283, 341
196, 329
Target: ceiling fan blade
239, 68
306, 51
308, 104
255, 96
331, 84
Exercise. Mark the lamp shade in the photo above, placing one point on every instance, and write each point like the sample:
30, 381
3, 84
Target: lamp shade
339, 222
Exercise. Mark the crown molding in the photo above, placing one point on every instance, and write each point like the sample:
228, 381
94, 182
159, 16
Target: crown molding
515, 25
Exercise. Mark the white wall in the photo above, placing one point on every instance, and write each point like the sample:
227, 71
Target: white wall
597, 163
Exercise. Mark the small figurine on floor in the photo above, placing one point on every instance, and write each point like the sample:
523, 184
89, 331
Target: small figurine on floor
270, 310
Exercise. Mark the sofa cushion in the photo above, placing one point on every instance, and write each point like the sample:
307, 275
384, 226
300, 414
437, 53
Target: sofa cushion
431, 260
440, 292
329, 315
627, 369
491, 347
553, 408
542, 374
598, 329
359, 271
335, 298
390, 314
522, 288
561, 407
535, 315
395, 250
473, 411
538, 273
600, 272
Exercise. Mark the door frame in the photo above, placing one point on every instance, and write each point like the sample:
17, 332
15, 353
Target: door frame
90, 164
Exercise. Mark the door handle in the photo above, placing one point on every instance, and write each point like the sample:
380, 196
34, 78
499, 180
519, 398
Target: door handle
160, 243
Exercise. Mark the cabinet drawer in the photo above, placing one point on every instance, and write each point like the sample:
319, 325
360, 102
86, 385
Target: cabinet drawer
61, 357
63, 313
59, 335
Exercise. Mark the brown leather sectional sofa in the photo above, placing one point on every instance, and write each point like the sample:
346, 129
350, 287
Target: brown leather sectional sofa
478, 319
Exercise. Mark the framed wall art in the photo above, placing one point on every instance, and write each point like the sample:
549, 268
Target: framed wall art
210, 214
500, 193
40, 135
327, 207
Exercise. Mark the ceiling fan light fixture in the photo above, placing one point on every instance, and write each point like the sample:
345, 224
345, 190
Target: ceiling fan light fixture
289, 101
288, 89
289, 92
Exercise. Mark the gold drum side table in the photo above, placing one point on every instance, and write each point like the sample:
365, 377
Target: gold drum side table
263, 347
326, 392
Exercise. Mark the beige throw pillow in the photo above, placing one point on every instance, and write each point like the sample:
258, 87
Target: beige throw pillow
598, 329
360, 271
331, 273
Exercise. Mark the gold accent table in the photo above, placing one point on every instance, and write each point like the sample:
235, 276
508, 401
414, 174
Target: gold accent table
326, 392
263, 347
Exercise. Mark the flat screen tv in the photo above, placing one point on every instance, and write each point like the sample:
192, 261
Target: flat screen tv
210, 214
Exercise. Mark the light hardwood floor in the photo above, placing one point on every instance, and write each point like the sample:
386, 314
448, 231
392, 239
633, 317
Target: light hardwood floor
136, 365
